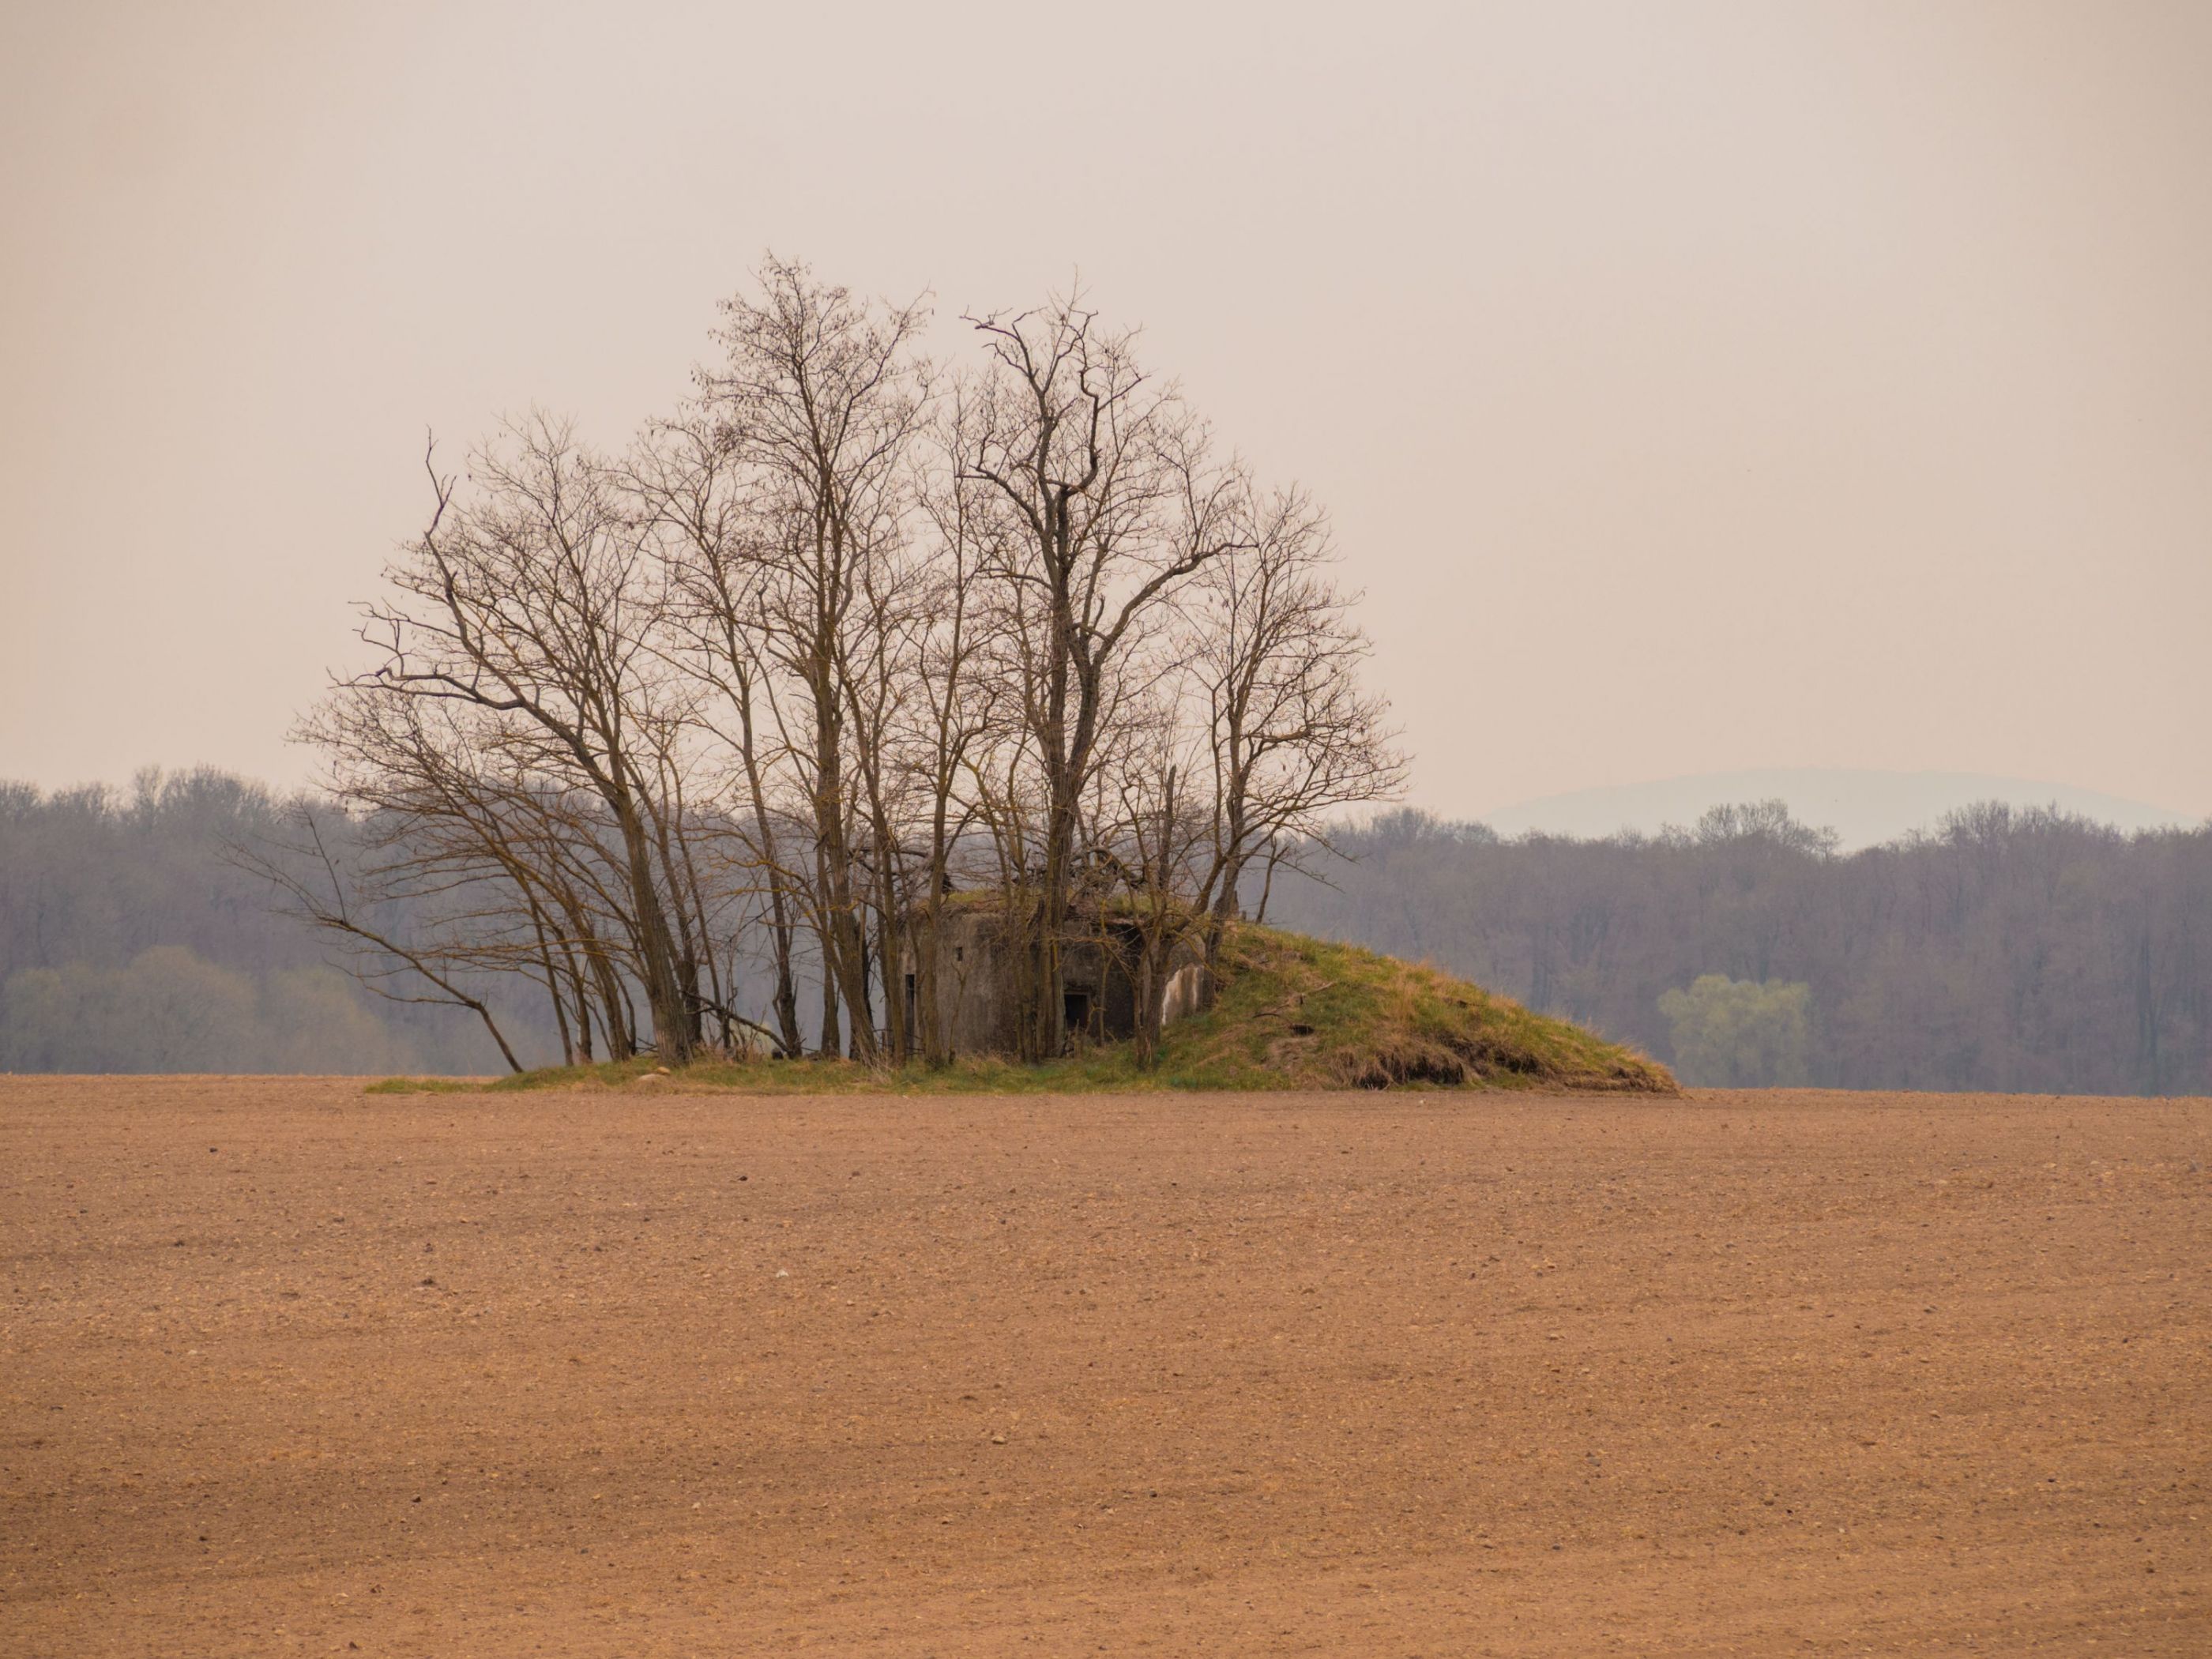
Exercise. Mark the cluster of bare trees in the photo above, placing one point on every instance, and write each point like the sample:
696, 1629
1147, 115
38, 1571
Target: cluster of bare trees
702, 735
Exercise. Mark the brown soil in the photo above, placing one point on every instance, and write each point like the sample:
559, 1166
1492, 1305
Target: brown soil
284, 1368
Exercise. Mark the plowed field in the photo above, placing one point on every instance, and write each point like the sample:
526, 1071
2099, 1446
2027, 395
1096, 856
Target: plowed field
285, 1368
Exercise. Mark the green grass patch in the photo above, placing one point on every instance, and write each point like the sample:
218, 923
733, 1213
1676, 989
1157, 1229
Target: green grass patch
424, 1085
1290, 1013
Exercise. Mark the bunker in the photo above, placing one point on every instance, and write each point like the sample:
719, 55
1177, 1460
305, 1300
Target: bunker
979, 979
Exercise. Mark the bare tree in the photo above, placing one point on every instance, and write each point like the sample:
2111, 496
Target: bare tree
1160, 852
1111, 505
535, 598
694, 488
956, 709
821, 396
1291, 738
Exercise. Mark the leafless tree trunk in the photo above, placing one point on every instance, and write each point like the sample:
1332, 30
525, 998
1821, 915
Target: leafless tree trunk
536, 600
693, 485
821, 395
958, 709
1112, 506
1276, 655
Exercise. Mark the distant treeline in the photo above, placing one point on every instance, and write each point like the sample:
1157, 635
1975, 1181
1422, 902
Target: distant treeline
2001, 949
130, 942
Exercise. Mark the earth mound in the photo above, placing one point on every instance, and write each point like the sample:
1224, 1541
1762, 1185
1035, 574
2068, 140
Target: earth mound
1295, 1012
1290, 1013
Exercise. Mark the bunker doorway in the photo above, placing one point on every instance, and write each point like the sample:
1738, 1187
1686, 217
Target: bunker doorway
1075, 1008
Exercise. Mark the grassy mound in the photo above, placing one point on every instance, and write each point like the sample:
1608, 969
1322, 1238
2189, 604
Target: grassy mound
1291, 1012
1303, 1013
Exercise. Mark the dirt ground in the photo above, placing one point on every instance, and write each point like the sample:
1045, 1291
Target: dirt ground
289, 1369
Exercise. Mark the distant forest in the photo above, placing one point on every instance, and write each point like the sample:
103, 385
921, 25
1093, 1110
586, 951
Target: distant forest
1999, 950
130, 942
2028, 952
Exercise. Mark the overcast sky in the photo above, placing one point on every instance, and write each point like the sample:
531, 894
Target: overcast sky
1695, 387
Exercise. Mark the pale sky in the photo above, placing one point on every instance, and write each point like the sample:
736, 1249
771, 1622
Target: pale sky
1696, 387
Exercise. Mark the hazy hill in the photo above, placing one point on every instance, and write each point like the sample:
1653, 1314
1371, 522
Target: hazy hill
1865, 808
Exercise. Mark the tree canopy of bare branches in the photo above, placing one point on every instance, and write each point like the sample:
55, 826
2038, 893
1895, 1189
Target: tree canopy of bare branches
734, 709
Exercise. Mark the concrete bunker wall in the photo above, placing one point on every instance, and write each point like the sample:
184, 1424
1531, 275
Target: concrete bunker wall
978, 979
